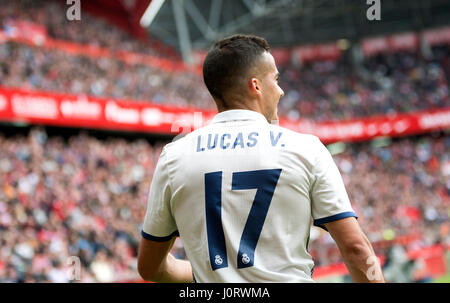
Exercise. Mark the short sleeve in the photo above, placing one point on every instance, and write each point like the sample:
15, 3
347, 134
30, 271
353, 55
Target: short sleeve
159, 224
329, 199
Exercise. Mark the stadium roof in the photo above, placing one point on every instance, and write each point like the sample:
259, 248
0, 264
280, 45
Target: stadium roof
193, 24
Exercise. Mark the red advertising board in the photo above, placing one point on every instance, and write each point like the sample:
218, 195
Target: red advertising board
437, 35
404, 41
367, 128
307, 53
89, 112
19, 105
282, 55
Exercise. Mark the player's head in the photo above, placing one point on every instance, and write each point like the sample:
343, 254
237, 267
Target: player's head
240, 72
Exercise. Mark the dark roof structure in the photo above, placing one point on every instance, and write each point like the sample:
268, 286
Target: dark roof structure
193, 24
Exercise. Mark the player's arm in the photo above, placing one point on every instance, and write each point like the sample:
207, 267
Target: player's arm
159, 230
331, 210
356, 250
155, 263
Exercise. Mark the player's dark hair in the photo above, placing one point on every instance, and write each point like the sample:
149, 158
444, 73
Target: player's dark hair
229, 59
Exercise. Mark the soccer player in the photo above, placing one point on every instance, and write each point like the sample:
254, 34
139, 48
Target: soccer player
241, 191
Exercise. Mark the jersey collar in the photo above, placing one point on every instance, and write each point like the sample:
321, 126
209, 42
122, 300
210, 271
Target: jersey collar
238, 115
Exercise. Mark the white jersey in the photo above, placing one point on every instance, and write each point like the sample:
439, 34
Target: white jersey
240, 192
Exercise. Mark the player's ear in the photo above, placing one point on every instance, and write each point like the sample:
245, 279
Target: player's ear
255, 86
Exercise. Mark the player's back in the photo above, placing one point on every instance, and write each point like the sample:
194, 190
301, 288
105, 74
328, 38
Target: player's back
240, 198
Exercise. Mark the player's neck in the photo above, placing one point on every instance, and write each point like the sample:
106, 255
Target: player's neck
252, 105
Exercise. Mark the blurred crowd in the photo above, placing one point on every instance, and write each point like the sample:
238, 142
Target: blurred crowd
396, 188
81, 197
323, 90
86, 197
89, 30
384, 84
54, 70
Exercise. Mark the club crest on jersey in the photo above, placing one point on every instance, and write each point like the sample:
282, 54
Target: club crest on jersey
218, 260
245, 259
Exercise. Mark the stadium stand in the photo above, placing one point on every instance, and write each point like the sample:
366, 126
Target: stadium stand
323, 90
71, 196
54, 70
388, 83
319, 91
65, 196
93, 31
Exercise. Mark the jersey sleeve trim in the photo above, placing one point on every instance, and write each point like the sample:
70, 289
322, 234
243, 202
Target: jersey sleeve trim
160, 239
321, 221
